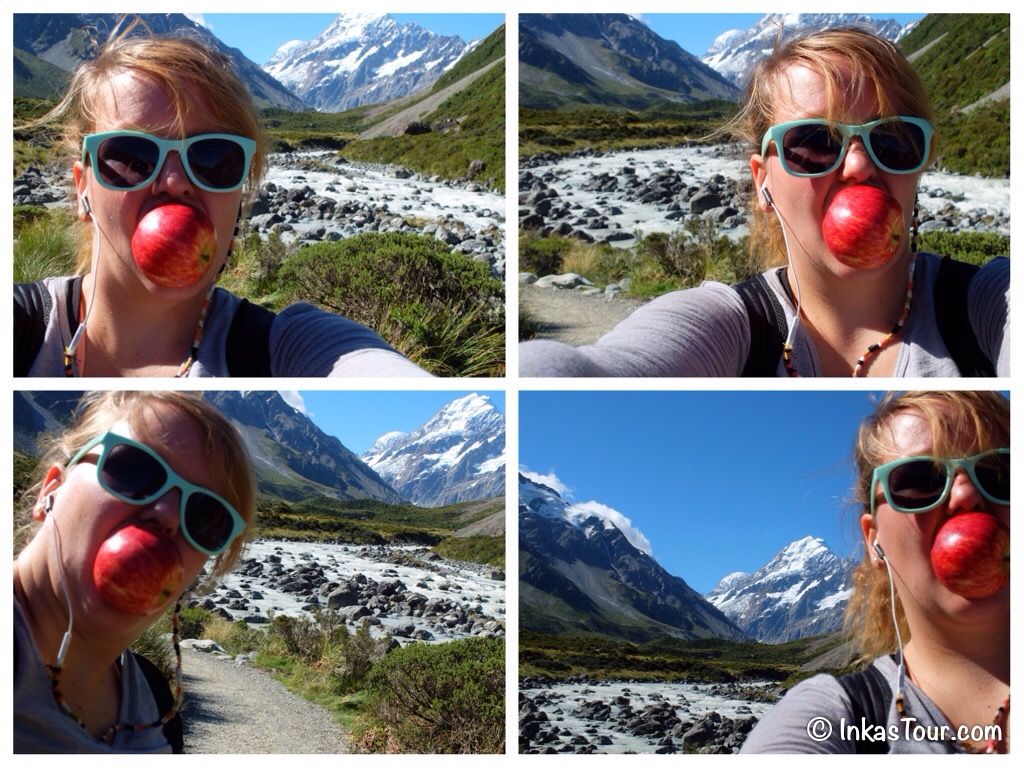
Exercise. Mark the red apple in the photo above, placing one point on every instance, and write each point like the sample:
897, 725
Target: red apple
136, 571
971, 555
863, 226
174, 245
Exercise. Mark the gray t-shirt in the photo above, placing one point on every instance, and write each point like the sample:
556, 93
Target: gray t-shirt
705, 332
40, 726
304, 341
817, 717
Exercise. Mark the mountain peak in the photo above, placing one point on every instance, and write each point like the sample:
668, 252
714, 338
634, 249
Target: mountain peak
457, 455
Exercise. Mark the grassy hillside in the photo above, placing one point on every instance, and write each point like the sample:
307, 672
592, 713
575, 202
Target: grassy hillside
963, 58
480, 136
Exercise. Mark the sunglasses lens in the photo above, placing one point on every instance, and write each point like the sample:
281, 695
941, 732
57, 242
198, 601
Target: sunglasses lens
131, 473
811, 149
127, 161
898, 145
917, 484
217, 163
208, 521
993, 474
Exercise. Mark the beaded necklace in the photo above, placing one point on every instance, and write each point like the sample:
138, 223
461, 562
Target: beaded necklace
885, 341
183, 369
54, 670
989, 747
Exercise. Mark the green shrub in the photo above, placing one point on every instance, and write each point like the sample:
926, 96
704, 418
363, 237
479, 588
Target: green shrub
975, 247
192, 622
541, 255
440, 308
46, 244
446, 698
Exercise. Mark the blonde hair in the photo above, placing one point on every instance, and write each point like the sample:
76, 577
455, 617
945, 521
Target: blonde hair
226, 454
181, 67
962, 424
850, 61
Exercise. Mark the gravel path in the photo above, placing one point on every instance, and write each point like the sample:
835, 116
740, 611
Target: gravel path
232, 709
570, 316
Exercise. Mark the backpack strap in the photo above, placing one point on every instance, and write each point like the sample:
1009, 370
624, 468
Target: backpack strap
953, 319
173, 730
768, 326
32, 306
248, 342
871, 695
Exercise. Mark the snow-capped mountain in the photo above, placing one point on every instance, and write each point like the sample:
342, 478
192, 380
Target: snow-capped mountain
459, 455
364, 58
802, 591
579, 572
735, 52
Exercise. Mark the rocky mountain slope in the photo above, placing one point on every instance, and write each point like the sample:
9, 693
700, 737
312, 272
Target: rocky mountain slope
64, 40
607, 60
579, 573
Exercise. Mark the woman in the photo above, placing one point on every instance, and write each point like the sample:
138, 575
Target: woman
830, 117
133, 500
930, 465
170, 151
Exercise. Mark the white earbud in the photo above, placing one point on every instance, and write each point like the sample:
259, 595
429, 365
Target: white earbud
878, 549
48, 504
85, 205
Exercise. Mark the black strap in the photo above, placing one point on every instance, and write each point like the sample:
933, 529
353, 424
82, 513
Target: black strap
161, 689
32, 307
871, 696
953, 319
248, 342
768, 326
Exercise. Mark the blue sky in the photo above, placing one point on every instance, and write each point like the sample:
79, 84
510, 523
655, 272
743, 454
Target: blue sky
717, 481
259, 35
359, 418
695, 32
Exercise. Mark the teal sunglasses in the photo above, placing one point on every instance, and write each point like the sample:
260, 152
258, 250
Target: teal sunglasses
815, 147
128, 160
134, 473
921, 483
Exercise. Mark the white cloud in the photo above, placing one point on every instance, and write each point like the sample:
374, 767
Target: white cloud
294, 399
611, 516
199, 19
550, 480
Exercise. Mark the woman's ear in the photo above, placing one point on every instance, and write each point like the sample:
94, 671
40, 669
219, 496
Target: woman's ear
44, 502
869, 529
81, 174
759, 171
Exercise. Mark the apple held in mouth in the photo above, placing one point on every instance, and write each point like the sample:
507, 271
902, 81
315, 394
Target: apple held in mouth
174, 245
136, 571
863, 226
971, 555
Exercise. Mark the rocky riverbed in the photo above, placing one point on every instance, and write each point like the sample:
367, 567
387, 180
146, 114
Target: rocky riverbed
406, 593
317, 196
585, 716
612, 196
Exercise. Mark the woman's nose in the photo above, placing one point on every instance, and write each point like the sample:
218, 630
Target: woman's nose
163, 515
172, 179
857, 165
964, 496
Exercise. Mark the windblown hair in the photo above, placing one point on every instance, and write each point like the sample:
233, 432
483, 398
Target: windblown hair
962, 424
226, 454
182, 67
850, 61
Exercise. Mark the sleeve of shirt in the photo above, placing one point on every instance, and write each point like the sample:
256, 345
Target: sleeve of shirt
695, 332
807, 720
307, 341
989, 301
